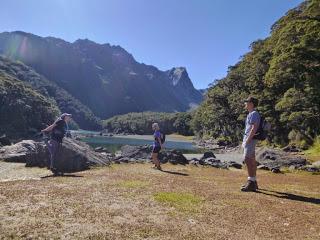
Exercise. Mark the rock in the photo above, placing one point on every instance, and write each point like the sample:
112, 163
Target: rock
223, 143
292, 168
316, 164
109, 155
263, 167
173, 156
25, 151
276, 158
101, 150
73, 155
4, 141
275, 170
208, 155
291, 148
310, 168
234, 165
140, 153
194, 161
124, 160
98, 149
213, 162
136, 152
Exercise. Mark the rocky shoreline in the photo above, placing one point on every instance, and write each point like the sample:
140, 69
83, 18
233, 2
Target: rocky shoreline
78, 156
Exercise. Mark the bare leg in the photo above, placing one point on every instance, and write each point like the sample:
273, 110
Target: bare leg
251, 166
156, 160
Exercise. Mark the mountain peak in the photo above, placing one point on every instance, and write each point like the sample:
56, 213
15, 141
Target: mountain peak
85, 41
179, 75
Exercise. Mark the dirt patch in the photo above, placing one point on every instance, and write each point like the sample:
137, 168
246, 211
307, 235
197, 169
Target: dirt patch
119, 203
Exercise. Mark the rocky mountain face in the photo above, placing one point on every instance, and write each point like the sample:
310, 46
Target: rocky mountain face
183, 87
106, 79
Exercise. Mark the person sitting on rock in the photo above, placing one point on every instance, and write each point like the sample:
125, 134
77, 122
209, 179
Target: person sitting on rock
58, 130
157, 145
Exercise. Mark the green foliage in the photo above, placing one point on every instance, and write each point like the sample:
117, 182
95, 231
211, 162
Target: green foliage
23, 111
315, 148
141, 123
182, 124
283, 72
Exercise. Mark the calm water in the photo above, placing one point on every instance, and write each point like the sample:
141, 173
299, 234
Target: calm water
115, 143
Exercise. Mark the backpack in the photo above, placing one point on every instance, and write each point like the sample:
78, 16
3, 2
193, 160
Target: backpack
263, 129
162, 137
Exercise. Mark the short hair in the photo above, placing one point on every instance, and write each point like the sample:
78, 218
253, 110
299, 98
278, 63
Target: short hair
253, 100
155, 126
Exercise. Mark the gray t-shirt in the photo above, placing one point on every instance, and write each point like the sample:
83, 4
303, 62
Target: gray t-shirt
252, 118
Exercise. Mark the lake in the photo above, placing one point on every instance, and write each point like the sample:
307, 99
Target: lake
114, 143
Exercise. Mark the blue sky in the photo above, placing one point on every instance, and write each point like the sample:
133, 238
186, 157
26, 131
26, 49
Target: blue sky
205, 36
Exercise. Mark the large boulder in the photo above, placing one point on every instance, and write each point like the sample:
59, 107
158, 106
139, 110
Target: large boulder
173, 156
209, 159
213, 162
272, 158
208, 155
136, 152
24, 151
73, 155
143, 154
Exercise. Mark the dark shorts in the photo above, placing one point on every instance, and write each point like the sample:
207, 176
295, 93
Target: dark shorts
156, 149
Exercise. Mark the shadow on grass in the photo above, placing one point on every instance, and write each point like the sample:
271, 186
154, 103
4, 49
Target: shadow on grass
175, 173
60, 175
289, 196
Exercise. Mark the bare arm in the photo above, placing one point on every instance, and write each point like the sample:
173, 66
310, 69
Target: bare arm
254, 128
48, 129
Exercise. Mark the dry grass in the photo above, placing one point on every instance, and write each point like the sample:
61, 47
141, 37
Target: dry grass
136, 202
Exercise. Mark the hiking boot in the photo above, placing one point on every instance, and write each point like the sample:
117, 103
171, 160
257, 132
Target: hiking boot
254, 182
249, 187
54, 171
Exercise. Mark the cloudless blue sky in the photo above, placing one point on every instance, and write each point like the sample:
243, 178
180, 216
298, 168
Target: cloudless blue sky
205, 36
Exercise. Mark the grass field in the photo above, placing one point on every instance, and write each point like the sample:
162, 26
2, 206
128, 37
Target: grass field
137, 202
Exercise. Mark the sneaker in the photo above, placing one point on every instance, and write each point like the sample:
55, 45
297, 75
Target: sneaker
249, 187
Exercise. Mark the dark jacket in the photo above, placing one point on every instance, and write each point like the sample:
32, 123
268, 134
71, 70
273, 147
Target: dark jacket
59, 130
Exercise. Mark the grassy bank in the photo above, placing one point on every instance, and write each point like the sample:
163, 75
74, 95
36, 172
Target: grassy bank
183, 202
313, 153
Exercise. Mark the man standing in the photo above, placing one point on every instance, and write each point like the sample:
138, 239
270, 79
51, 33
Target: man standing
58, 131
249, 144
